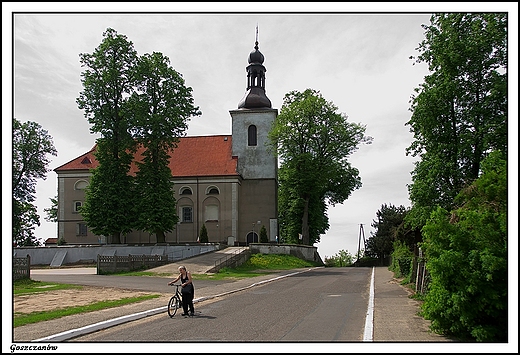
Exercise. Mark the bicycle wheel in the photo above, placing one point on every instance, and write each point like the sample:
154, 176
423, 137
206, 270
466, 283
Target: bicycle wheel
173, 305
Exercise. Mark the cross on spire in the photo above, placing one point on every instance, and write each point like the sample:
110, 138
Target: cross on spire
256, 39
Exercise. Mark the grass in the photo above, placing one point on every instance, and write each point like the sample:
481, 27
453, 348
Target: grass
28, 286
25, 286
35, 317
258, 264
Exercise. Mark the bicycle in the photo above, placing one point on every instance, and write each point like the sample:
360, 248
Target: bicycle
175, 302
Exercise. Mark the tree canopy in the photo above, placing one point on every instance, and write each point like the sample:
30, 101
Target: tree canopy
162, 105
313, 142
108, 80
458, 191
459, 113
31, 146
134, 102
389, 220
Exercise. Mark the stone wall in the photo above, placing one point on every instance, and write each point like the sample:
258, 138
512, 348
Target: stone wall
304, 252
66, 254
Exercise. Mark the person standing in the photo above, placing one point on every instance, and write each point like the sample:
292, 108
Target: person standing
187, 290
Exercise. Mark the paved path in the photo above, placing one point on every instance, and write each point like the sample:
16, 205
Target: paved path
199, 264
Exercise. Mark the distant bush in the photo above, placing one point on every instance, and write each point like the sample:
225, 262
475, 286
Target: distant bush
342, 258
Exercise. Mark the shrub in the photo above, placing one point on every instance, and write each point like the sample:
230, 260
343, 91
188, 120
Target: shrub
402, 259
466, 256
342, 258
203, 236
263, 235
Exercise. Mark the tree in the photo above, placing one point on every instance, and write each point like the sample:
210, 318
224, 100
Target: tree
466, 253
203, 235
52, 212
263, 235
162, 106
389, 219
25, 218
31, 147
459, 113
108, 81
110, 209
313, 142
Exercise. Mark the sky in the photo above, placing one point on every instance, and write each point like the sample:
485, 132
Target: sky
356, 55
358, 60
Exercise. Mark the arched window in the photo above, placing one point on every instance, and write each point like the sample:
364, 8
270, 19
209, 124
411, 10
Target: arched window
212, 190
80, 185
251, 135
185, 191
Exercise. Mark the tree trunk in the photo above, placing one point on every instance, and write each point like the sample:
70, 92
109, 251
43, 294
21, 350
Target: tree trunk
161, 238
305, 222
116, 238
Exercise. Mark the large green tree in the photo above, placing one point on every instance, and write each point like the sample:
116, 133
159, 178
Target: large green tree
466, 252
108, 80
162, 105
313, 142
460, 111
389, 220
109, 208
31, 146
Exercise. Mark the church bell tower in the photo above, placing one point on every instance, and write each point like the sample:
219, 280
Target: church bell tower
257, 164
251, 123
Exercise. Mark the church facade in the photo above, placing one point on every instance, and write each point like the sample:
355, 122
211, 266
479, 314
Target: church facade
228, 183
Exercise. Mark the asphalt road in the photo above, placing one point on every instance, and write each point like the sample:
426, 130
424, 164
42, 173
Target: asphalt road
318, 305
141, 283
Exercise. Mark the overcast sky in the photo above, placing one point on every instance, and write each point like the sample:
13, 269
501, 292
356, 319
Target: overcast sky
357, 58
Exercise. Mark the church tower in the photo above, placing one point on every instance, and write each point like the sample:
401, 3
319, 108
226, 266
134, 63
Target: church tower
256, 163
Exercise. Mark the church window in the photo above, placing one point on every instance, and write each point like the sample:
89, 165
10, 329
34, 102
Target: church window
80, 185
81, 229
212, 190
187, 214
77, 206
211, 213
186, 191
251, 135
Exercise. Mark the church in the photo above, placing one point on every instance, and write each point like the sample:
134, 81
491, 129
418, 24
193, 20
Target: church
228, 183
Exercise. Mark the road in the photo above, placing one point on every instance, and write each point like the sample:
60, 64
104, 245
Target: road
327, 304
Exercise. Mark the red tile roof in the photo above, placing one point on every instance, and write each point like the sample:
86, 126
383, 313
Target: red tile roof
194, 156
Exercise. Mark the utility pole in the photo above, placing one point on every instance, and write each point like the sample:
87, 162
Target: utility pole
361, 233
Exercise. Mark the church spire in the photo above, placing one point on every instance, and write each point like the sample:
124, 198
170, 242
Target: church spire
255, 93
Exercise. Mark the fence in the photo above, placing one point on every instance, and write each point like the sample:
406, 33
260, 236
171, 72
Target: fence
422, 277
234, 259
21, 268
114, 263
